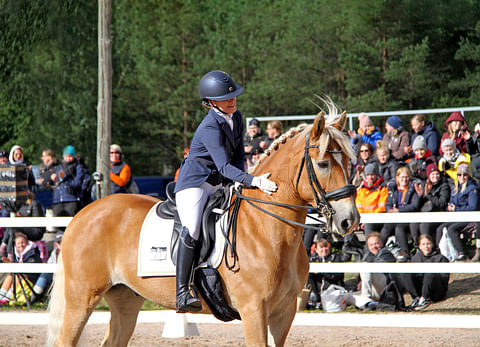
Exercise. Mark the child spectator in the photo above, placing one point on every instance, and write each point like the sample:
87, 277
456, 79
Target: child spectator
426, 287
423, 157
396, 138
450, 160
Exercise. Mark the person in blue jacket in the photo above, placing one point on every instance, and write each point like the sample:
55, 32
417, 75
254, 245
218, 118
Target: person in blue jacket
216, 152
463, 198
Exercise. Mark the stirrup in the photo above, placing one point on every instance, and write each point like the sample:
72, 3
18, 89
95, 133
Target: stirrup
186, 302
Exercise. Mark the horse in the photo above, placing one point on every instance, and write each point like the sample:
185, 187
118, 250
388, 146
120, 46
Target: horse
310, 165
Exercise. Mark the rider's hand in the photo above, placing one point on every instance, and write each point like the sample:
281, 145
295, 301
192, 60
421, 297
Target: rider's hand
264, 184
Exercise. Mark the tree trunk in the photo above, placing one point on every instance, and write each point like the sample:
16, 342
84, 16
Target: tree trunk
104, 108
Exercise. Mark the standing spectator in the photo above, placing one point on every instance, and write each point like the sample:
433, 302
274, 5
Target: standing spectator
396, 138
424, 127
3, 157
372, 196
120, 173
365, 157
372, 284
25, 252
367, 133
464, 198
68, 178
319, 282
47, 169
426, 287
450, 160
402, 197
16, 158
387, 165
274, 130
423, 157
253, 138
457, 130
434, 196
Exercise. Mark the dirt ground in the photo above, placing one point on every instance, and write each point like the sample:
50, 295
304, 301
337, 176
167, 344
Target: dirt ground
463, 298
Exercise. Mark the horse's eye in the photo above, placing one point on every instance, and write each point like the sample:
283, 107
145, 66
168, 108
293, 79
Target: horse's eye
323, 164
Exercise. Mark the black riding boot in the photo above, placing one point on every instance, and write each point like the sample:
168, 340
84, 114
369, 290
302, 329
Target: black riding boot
186, 302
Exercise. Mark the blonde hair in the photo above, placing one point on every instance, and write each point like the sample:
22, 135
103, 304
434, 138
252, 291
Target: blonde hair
401, 170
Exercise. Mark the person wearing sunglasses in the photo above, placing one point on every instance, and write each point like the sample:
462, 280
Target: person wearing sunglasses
464, 198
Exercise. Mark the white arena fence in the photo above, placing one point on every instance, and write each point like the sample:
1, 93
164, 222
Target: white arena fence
409, 320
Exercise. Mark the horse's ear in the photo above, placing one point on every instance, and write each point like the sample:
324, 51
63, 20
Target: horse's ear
342, 120
318, 126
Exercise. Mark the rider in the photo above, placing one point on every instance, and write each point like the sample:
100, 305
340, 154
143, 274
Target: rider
216, 152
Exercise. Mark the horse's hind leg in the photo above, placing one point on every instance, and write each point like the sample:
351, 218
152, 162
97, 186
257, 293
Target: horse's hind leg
124, 306
279, 324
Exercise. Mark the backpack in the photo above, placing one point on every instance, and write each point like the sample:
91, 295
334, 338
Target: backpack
391, 299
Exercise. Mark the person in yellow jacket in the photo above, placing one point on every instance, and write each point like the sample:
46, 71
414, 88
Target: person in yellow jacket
372, 196
450, 160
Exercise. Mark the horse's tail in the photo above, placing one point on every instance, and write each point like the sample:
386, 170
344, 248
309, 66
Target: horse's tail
56, 305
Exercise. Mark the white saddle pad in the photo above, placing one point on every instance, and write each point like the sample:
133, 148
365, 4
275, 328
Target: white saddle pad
154, 249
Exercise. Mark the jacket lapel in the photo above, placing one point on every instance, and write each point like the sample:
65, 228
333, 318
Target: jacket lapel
225, 127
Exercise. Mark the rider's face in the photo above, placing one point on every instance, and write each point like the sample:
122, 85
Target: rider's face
227, 106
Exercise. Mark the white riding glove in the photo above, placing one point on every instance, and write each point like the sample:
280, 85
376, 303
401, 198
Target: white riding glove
264, 184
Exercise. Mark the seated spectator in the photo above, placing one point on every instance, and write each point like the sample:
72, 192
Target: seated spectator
29, 208
253, 138
433, 197
47, 169
45, 280
372, 196
367, 133
457, 130
365, 156
68, 178
450, 160
464, 198
318, 282
274, 130
387, 165
423, 157
396, 138
3, 157
402, 197
120, 172
25, 252
424, 127
372, 284
426, 288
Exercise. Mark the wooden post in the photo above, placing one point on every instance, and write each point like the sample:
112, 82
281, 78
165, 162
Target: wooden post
104, 108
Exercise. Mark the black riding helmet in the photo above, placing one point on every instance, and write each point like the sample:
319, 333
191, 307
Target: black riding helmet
218, 86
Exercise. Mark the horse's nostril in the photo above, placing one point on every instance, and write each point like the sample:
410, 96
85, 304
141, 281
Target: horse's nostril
345, 224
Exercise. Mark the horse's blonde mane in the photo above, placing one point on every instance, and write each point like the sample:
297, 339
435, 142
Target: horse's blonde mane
331, 132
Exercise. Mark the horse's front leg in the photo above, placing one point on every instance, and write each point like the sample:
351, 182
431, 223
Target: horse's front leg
279, 323
254, 321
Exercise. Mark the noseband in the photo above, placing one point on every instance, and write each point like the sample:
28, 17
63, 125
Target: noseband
321, 197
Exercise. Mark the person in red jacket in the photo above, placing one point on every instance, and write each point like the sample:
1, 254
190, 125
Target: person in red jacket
457, 130
120, 173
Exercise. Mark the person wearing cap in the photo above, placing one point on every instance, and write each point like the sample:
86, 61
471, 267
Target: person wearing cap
366, 133
456, 129
402, 197
216, 153
464, 198
424, 127
396, 138
68, 178
253, 138
432, 197
423, 157
450, 160
3, 157
371, 196
120, 173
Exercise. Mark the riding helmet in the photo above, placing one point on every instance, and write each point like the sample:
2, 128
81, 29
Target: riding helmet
218, 86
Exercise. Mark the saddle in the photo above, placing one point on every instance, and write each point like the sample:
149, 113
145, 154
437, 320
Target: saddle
168, 210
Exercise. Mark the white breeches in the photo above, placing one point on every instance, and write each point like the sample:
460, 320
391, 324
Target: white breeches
190, 205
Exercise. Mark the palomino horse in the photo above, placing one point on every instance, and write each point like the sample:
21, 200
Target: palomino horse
99, 250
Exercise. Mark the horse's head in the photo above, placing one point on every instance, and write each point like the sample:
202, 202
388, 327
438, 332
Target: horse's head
323, 176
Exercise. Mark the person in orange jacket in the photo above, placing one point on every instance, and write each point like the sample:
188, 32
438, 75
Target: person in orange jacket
372, 195
120, 173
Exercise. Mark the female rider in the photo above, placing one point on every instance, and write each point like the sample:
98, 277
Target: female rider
216, 151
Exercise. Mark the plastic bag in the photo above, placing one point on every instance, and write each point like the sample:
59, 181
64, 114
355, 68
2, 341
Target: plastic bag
334, 298
446, 246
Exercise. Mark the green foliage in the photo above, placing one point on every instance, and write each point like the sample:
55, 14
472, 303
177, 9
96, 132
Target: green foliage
368, 56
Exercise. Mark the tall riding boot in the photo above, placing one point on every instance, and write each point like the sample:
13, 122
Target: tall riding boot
476, 257
186, 302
